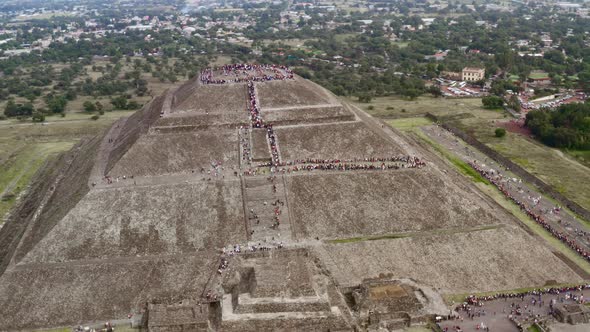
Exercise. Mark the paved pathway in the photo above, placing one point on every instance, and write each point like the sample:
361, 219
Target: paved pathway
559, 219
495, 314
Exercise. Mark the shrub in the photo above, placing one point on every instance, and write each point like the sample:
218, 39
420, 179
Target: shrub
95, 117
371, 107
38, 117
500, 132
365, 98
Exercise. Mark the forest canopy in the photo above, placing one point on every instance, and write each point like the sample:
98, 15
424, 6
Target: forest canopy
566, 127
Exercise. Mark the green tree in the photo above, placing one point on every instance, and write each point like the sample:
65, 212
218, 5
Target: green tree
492, 102
89, 106
514, 103
11, 109
56, 104
132, 105
18, 110
500, 132
119, 102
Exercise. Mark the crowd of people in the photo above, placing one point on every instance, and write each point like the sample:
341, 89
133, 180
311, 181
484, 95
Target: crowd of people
349, 167
253, 108
496, 179
478, 300
257, 122
245, 145
240, 73
369, 164
400, 158
107, 179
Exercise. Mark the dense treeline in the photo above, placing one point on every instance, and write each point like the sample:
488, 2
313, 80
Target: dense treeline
566, 127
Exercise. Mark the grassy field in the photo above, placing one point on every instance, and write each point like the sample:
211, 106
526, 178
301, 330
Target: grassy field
581, 156
400, 44
25, 147
396, 107
295, 42
342, 37
566, 171
407, 124
412, 124
18, 170
553, 166
538, 75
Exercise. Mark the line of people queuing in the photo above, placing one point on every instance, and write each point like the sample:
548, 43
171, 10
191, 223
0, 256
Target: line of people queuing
350, 167
495, 179
478, 300
344, 165
257, 122
245, 144
400, 158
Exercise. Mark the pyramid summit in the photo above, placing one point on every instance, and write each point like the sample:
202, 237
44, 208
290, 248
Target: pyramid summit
251, 199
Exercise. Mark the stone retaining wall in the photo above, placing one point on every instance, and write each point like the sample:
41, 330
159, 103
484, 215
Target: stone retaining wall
282, 307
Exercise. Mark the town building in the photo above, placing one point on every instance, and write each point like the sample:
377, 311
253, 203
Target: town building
472, 74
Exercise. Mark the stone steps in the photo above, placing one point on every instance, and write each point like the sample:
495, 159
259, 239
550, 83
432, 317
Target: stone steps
259, 191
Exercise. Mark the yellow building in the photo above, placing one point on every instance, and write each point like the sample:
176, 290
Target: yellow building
472, 74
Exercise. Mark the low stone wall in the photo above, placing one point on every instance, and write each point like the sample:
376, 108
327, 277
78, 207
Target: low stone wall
189, 128
331, 323
282, 307
328, 119
516, 169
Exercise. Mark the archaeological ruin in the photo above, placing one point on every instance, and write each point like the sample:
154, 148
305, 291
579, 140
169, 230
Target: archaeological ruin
251, 199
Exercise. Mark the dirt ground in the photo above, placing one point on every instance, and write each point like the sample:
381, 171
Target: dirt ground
213, 99
179, 153
291, 93
78, 292
150, 220
260, 147
304, 114
333, 206
201, 120
331, 141
476, 261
